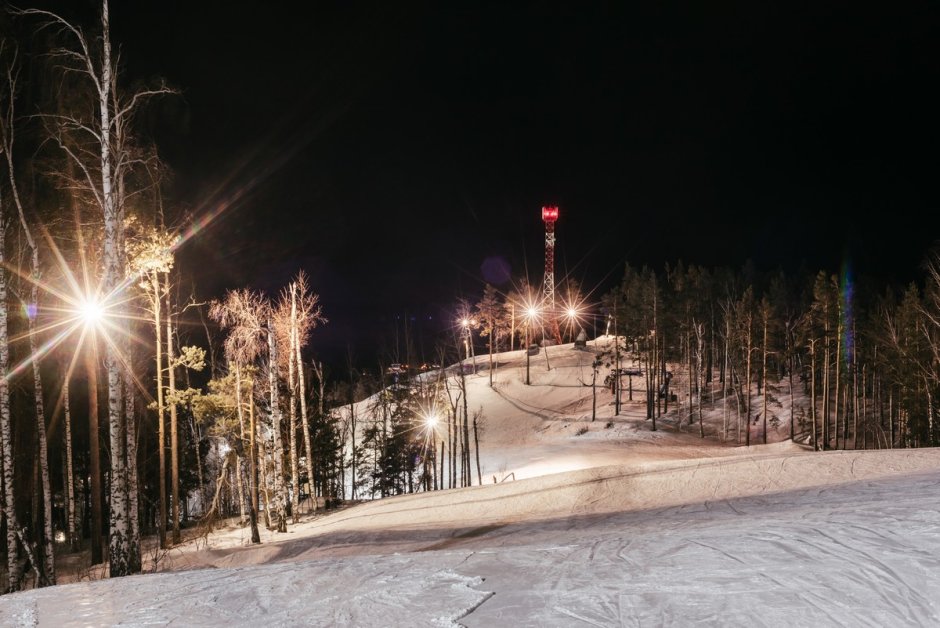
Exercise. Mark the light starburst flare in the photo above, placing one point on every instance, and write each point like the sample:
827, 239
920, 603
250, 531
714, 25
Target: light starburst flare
91, 311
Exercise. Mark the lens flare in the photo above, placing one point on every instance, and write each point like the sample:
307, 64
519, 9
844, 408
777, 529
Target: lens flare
91, 311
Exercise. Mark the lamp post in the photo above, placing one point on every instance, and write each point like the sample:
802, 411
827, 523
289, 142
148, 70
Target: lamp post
617, 360
530, 314
468, 343
92, 312
573, 320
527, 355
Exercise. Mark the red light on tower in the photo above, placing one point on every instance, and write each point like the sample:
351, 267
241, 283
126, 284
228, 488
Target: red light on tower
550, 213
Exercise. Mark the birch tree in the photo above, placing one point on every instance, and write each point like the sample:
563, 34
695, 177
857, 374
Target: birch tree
7, 137
241, 315
150, 257
6, 432
275, 413
97, 141
297, 314
489, 313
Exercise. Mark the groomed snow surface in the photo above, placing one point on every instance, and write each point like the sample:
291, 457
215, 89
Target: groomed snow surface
617, 526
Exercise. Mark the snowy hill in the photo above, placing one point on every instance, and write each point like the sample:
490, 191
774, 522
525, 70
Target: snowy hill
615, 525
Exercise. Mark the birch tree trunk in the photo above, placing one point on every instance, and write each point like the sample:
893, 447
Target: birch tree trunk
134, 557
69, 472
261, 448
725, 377
838, 376
763, 375
48, 552
305, 424
825, 384
6, 433
292, 415
354, 462
276, 429
688, 347
789, 340
321, 387
812, 392
174, 427
747, 396
161, 405
113, 265
243, 506
194, 429
476, 447
699, 333
252, 468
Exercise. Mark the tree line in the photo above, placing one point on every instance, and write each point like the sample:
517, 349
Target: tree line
842, 362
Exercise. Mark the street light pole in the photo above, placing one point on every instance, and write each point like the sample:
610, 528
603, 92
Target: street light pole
527, 356
468, 344
617, 353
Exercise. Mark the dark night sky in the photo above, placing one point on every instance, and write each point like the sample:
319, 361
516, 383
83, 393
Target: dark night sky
389, 149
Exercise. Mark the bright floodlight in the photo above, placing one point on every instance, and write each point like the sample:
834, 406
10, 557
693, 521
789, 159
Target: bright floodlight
572, 313
531, 312
91, 311
431, 420
465, 322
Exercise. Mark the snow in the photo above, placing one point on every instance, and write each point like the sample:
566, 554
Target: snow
615, 526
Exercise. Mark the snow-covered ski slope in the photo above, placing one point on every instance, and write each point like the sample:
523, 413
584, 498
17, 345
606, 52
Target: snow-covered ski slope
618, 526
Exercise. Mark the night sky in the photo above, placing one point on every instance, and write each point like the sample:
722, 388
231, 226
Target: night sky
390, 149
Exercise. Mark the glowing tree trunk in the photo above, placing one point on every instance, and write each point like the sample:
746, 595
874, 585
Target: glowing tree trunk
174, 428
252, 488
305, 423
252, 468
292, 415
279, 496
299, 317
700, 344
790, 351
766, 323
747, 377
118, 549
69, 473
243, 507
161, 405
825, 383
239, 460
9, 502
133, 512
812, 392
354, 463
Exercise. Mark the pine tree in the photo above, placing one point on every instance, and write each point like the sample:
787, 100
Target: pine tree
489, 314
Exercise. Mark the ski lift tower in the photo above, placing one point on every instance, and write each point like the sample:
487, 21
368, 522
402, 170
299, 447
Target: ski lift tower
549, 216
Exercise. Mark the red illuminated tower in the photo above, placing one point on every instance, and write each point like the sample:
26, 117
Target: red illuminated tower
549, 216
